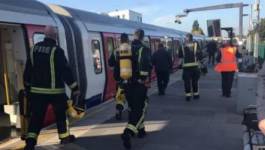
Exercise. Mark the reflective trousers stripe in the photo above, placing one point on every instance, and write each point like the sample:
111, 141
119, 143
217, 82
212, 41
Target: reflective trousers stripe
32, 135
67, 133
196, 94
140, 123
64, 135
188, 94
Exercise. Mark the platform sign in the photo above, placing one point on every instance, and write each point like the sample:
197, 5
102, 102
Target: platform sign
214, 28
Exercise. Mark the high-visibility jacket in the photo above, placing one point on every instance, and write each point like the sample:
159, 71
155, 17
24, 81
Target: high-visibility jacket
228, 60
141, 61
190, 54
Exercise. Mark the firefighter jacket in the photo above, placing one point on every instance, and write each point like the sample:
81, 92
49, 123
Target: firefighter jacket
191, 55
47, 69
227, 59
141, 61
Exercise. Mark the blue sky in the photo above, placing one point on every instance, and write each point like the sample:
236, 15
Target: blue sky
162, 12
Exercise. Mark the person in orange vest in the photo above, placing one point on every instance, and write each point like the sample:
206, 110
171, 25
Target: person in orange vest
227, 66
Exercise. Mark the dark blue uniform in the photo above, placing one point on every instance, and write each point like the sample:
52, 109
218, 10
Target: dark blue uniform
46, 72
191, 55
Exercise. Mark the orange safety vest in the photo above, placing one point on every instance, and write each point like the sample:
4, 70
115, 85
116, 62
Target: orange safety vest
228, 62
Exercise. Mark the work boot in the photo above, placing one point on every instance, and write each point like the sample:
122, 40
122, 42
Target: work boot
126, 138
141, 133
196, 97
188, 98
69, 139
30, 144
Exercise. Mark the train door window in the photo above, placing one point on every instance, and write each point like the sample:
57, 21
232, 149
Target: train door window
38, 37
96, 54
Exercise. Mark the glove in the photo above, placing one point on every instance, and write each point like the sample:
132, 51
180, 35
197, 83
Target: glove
120, 95
76, 107
73, 112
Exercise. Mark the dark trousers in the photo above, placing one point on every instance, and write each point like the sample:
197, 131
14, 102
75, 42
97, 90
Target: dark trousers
211, 58
39, 105
137, 103
227, 82
162, 80
191, 77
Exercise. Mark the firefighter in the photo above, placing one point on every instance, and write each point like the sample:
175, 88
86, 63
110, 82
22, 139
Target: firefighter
46, 72
114, 61
191, 56
227, 66
136, 89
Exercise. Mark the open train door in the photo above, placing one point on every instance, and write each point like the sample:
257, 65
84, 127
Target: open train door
110, 87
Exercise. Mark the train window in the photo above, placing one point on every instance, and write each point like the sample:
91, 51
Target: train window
38, 37
95, 44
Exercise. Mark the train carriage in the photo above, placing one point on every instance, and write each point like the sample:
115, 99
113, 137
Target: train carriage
87, 38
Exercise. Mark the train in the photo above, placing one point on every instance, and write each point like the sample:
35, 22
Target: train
87, 38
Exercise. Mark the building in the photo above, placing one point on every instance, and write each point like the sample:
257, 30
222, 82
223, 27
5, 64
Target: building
127, 15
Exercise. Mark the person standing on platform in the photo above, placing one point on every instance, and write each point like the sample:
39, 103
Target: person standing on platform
162, 62
114, 61
211, 49
191, 55
136, 89
46, 73
227, 66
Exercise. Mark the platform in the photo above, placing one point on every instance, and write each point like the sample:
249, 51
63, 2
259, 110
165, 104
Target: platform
210, 123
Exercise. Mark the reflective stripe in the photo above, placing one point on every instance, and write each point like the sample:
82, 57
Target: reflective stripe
141, 126
32, 135
64, 135
31, 55
72, 86
132, 128
195, 51
141, 120
195, 58
140, 55
143, 73
47, 91
188, 94
190, 64
196, 94
52, 66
